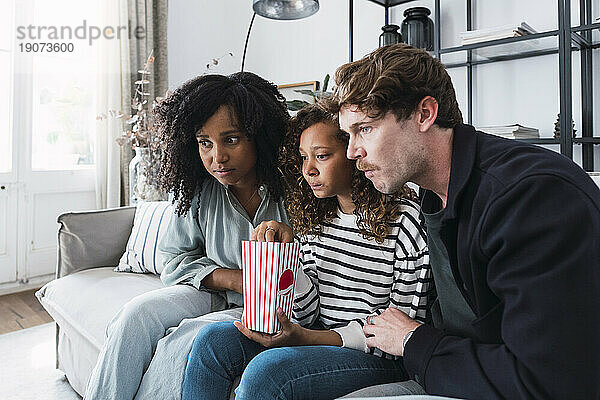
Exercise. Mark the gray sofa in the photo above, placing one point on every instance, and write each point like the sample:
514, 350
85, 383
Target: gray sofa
87, 293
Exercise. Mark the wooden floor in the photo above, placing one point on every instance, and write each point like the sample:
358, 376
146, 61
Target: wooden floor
21, 310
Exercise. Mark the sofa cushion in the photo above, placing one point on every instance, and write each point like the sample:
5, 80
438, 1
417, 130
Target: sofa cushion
150, 223
91, 239
388, 389
86, 301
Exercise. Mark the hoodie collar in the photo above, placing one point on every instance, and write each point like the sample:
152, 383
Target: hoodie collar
464, 153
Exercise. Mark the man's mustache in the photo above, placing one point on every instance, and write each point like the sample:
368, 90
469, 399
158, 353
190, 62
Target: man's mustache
363, 166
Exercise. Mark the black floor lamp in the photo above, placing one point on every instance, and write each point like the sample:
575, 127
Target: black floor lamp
280, 10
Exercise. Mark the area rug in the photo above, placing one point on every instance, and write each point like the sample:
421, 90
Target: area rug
27, 366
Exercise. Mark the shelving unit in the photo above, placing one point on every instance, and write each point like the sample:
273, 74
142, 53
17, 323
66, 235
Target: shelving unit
563, 41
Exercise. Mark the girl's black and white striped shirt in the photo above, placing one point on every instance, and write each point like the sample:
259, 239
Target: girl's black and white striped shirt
347, 278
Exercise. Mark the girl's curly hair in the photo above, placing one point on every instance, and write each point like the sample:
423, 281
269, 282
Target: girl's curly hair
259, 111
306, 212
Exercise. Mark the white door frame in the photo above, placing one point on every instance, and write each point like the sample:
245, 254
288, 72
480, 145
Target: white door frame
34, 198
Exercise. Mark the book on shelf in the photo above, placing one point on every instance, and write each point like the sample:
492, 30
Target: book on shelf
514, 131
498, 32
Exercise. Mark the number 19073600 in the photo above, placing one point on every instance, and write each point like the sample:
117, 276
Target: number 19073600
44, 47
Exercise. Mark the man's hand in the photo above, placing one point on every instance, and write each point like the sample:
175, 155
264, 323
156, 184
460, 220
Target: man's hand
290, 334
386, 331
271, 231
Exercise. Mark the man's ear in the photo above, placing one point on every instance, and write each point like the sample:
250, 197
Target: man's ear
426, 113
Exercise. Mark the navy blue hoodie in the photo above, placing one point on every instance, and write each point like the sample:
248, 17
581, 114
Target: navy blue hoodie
522, 230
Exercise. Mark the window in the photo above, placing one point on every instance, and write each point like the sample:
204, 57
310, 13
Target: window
63, 91
63, 113
6, 39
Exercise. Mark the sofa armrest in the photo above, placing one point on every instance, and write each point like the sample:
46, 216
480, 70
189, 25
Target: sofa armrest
91, 239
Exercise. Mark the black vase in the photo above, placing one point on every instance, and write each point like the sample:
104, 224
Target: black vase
390, 35
417, 28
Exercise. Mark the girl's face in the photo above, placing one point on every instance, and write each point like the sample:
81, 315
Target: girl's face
324, 163
226, 152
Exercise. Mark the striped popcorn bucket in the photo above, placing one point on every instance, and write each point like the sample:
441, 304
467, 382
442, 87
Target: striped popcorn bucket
269, 279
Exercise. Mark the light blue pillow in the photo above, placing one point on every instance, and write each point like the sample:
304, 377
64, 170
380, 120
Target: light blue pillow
150, 223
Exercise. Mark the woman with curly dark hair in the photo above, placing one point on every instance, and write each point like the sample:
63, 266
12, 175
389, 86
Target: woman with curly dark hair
221, 137
361, 252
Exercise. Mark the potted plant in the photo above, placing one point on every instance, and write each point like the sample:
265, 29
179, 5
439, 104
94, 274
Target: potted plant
295, 105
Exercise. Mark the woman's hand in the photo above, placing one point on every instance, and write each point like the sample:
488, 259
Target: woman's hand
271, 231
225, 279
290, 335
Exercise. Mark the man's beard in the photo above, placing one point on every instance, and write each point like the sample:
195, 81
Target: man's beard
391, 186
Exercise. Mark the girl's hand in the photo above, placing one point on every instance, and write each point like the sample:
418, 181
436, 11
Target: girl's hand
273, 231
290, 334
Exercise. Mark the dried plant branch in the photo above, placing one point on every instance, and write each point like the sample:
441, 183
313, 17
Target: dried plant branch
141, 132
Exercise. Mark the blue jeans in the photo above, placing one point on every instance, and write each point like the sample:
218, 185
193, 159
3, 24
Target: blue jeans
220, 353
132, 337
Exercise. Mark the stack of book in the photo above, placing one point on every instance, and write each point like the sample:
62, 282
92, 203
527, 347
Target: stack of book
515, 131
499, 32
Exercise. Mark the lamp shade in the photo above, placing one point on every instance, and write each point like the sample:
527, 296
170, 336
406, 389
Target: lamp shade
285, 9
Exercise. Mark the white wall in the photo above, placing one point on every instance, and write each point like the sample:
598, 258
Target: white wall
520, 91
281, 51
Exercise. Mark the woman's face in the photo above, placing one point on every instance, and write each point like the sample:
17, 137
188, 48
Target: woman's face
324, 163
226, 152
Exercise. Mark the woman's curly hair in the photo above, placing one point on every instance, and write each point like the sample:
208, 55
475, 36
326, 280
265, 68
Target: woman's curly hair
259, 111
306, 212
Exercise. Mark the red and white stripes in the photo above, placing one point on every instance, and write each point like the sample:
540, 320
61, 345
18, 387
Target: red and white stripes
269, 272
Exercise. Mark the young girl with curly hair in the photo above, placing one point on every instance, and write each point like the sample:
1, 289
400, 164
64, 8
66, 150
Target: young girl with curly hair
221, 137
361, 252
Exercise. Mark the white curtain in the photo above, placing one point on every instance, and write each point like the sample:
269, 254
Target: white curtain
112, 86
